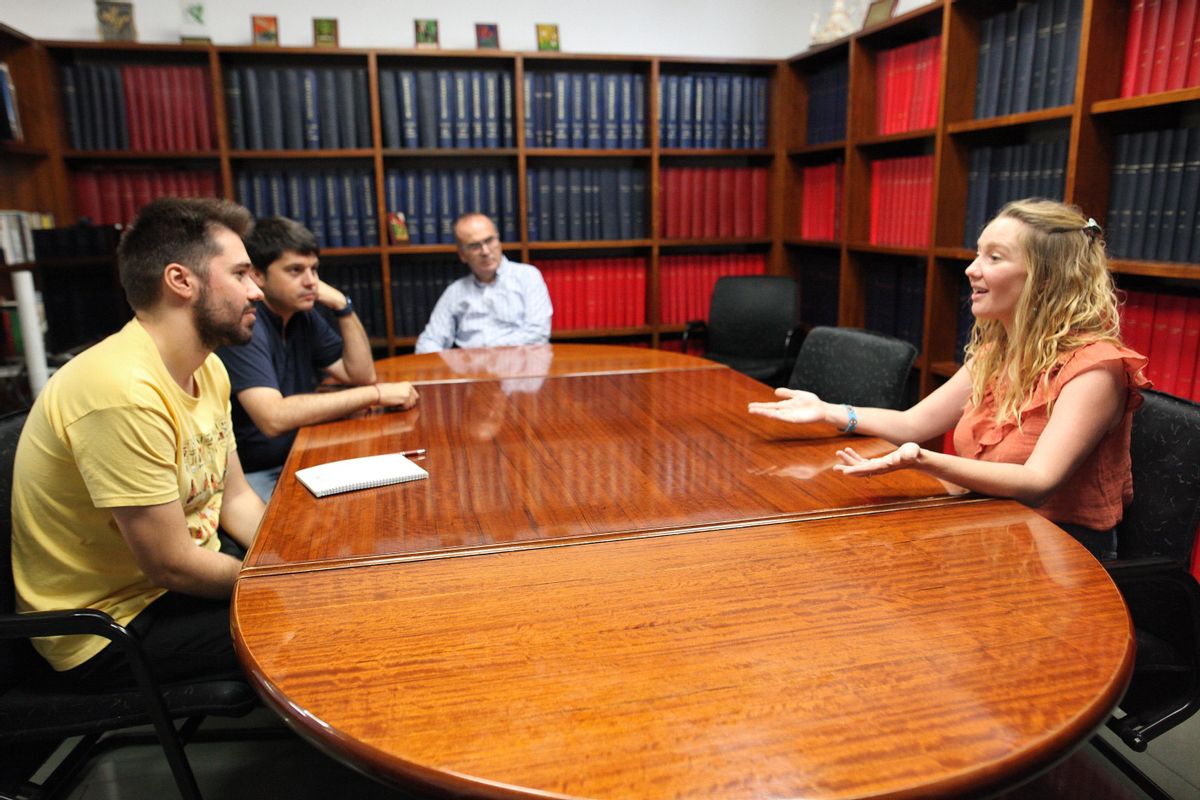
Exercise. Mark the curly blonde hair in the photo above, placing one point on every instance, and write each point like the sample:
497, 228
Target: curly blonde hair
1068, 300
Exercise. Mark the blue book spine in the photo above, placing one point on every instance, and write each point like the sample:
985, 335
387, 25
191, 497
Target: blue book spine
737, 112
270, 95
594, 109
578, 115
575, 209
296, 207
508, 136
445, 109
446, 205
612, 99
721, 117
413, 205
393, 192
1185, 215
328, 104
562, 208
561, 87
762, 111
314, 195
253, 109
241, 184
1026, 43
406, 89
310, 109
639, 112
708, 124
293, 110
477, 112
528, 113
368, 209
1041, 54
545, 189
233, 107
508, 204
625, 112
1066, 92
428, 109
362, 109
334, 211
668, 119
687, 111
610, 221
347, 109
389, 108
625, 202
491, 199
277, 193
491, 109
462, 109
638, 203
531, 191
430, 232
462, 194
260, 202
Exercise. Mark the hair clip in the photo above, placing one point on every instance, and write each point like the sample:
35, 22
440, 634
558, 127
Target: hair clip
1092, 228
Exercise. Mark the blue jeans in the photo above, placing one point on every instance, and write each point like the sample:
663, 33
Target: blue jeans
263, 481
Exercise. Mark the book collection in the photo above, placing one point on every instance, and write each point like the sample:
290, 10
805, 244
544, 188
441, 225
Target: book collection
590, 293
901, 200
713, 202
827, 91
896, 299
337, 205
1152, 212
687, 281
819, 292
998, 174
137, 108
10, 114
432, 199
1162, 47
1028, 57
113, 196
446, 108
906, 86
416, 287
291, 108
1165, 328
713, 110
596, 110
17, 240
821, 201
360, 281
585, 204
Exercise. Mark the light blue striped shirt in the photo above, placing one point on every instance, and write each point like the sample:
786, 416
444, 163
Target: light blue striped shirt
513, 309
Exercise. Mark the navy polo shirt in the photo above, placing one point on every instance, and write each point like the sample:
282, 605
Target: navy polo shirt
290, 361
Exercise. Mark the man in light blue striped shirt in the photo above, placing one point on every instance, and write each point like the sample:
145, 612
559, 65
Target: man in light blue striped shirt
501, 302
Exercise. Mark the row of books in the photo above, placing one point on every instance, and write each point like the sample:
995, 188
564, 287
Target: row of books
598, 110
113, 196
827, 91
337, 205
1153, 212
138, 108
713, 110
907, 79
1166, 329
432, 199
901, 200
584, 204
17, 240
714, 202
1028, 57
821, 201
998, 174
819, 280
291, 108
590, 293
10, 114
446, 108
686, 282
895, 299
1162, 47
416, 286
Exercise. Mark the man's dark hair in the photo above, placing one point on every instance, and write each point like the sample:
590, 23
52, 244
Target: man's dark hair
273, 235
173, 230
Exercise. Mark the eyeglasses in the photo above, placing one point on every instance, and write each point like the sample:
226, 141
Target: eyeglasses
479, 247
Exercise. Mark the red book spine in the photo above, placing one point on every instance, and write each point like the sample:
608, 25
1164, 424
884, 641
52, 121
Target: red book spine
883, 84
1189, 349
1171, 308
666, 288
1147, 45
1158, 341
1162, 46
876, 179
905, 116
696, 226
742, 227
712, 203
143, 190
200, 93
1133, 39
806, 202
933, 81
640, 267
664, 215
837, 201
188, 105
1193, 71
927, 204
686, 195
133, 117
725, 223
110, 200
1181, 44
87, 196
758, 201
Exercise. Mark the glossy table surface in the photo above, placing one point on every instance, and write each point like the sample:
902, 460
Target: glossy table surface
702, 610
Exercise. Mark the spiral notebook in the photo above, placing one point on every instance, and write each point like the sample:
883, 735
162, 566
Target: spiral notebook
359, 473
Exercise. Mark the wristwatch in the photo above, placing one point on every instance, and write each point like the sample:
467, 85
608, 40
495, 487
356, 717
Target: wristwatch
347, 310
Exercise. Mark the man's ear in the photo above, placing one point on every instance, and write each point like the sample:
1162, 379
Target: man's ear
180, 282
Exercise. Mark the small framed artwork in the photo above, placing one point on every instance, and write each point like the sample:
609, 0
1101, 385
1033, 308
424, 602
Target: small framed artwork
192, 28
547, 37
879, 11
487, 36
264, 30
325, 32
114, 21
426, 32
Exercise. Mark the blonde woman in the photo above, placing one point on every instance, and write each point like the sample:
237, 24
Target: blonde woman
1041, 410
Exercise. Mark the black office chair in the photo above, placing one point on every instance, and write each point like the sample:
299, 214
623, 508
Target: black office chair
752, 326
1154, 548
37, 712
849, 365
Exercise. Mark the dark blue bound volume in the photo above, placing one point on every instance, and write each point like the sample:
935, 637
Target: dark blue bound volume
445, 109
311, 108
389, 108
351, 213
491, 109
293, 110
272, 100
327, 102
429, 109
578, 114
233, 107
508, 136
410, 130
461, 106
334, 210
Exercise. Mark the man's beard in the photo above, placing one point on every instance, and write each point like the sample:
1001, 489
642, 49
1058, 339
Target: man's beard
215, 332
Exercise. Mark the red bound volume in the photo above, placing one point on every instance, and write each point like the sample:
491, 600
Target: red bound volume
1181, 44
758, 201
188, 105
1133, 41
670, 203
726, 202
133, 100
712, 203
687, 196
1162, 45
742, 224
87, 196
1147, 42
1172, 308
1189, 350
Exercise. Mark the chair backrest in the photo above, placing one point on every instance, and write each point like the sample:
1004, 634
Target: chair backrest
13, 652
848, 365
751, 315
1165, 450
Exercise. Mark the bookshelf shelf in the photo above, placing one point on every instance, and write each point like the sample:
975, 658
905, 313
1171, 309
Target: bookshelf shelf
710, 152
1064, 113
595, 244
829, 244
449, 152
561, 152
150, 155
881, 141
23, 149
239, 155
715, 242
886, 249
422, 249
824, 149
1160, 100
1157, 269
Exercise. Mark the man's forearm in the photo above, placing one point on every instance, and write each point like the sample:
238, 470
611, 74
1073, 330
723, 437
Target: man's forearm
275, 415
357, 358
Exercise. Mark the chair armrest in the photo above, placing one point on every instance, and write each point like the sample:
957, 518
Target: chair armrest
61, 623
1139, 567
695, 327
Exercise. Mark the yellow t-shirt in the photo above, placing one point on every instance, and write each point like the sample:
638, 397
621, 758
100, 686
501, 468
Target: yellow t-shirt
111, 429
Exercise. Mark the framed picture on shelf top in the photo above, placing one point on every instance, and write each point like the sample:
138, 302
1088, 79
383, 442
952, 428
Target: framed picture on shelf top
487, 36
325, 32
114, 21
879, 11
547, 37
426, 31
264, 30
192, 28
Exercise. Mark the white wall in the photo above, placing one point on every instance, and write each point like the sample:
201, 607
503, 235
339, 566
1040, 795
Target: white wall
718, 28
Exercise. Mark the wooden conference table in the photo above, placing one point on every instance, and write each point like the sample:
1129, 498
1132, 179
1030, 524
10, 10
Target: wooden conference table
616, 583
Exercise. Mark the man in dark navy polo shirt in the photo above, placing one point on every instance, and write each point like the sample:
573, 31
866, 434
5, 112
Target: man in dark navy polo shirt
274, 376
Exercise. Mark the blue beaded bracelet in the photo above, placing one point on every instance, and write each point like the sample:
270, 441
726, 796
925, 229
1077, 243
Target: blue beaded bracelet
852, 421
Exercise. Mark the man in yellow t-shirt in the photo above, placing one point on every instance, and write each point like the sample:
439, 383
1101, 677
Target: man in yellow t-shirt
127, 466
